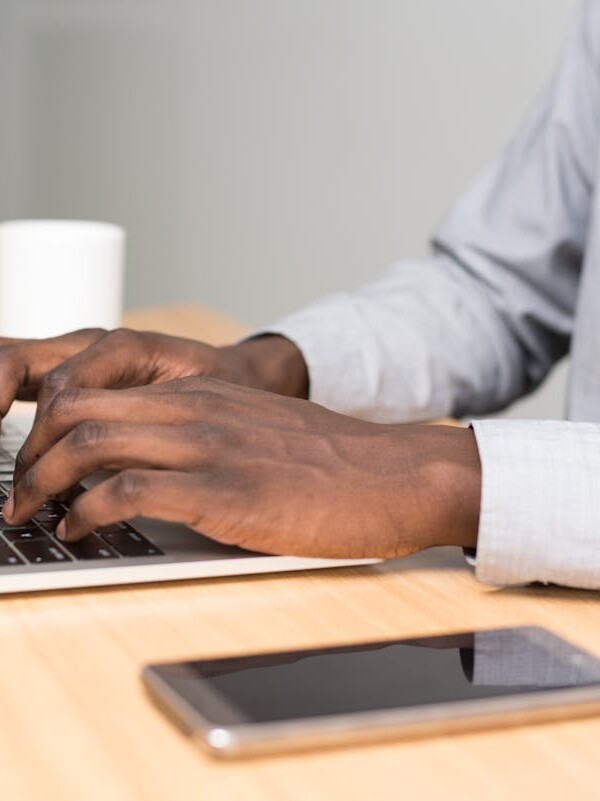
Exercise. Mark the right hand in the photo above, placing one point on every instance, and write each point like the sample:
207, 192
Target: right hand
253, 469
94, 358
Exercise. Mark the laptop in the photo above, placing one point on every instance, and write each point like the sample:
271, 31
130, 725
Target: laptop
141, 550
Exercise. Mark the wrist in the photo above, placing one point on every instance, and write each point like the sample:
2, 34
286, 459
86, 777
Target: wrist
455, 486
434, 498
273, 363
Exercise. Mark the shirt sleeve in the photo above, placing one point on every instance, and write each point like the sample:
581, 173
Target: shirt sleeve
540, 505
482, 320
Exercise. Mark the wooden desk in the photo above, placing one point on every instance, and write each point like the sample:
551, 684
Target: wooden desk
75, 724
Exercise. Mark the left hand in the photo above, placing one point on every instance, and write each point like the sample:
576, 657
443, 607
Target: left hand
253, 469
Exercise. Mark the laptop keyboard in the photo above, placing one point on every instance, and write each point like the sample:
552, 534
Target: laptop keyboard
36, 543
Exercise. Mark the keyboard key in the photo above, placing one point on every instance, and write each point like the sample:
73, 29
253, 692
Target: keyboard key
90, 547
53, 506
8, 558
129, 542
48, 520
15, 535
39, 551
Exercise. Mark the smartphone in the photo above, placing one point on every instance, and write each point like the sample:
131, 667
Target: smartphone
400, 688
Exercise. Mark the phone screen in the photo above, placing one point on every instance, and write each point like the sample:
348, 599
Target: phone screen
403, 673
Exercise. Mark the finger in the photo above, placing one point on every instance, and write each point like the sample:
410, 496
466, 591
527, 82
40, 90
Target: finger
94, 445
125, 358
12, 379
150, 405
225, 504
120, 358
24, 363
194, 499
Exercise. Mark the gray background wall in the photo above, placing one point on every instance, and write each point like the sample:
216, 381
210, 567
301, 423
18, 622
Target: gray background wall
263, 152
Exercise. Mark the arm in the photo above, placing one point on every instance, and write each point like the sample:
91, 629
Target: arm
481, 321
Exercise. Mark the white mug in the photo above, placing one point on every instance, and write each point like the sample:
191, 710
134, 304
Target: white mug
60, 275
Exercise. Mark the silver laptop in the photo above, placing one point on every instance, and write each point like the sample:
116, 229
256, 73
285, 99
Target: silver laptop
142, 550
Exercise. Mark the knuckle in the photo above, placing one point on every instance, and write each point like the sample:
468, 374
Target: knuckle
123, 337
95, 333
228, 480
55, 380
88, 434
34, 482
21, 462
7, 357
83, 337
206, 395
189, 383
216, 438
205, 383
129, 487
63, 402
191, 386
29, 480
196, 393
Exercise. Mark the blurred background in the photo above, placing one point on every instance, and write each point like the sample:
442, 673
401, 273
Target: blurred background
263, 152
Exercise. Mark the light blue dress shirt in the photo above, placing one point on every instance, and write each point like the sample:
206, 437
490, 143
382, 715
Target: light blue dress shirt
512, 284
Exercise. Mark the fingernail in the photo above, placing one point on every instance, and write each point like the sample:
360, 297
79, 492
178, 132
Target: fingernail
61, 530
9, 505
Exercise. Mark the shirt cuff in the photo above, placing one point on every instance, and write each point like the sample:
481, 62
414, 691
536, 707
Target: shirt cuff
540, 504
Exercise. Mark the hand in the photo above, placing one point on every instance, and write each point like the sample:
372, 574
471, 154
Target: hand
252, 469
39, 369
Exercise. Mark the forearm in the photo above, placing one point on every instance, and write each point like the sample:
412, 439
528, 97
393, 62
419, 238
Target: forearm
481, 322
420, 342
